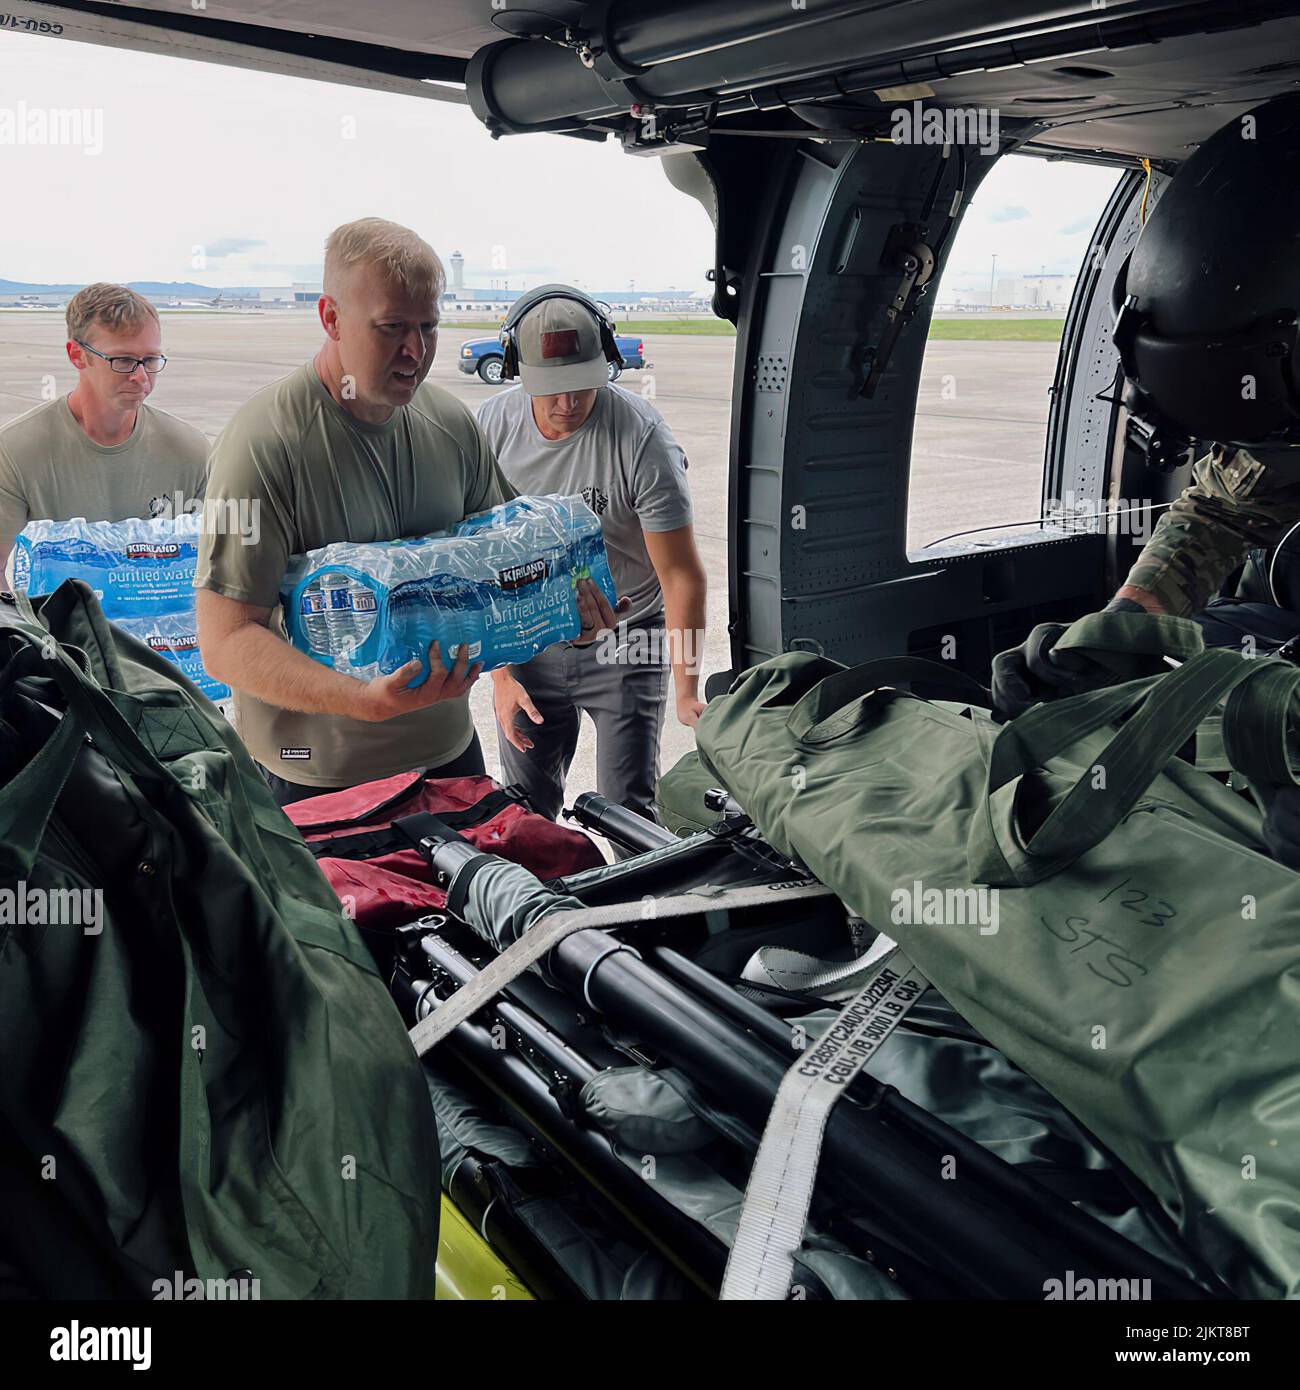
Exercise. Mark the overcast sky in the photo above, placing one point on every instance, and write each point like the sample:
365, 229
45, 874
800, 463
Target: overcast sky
255, 169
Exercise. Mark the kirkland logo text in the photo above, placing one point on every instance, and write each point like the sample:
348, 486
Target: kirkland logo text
152, 550
518, 575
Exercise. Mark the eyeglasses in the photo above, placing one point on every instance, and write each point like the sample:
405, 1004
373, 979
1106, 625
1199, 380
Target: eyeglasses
126, 365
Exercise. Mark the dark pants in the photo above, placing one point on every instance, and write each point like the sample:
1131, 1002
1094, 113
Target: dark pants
625, 698
467, 764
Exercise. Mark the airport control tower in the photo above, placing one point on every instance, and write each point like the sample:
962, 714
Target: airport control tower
457, 271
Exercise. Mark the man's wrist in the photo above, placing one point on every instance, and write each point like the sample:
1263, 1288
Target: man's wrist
1148, 603
356, 705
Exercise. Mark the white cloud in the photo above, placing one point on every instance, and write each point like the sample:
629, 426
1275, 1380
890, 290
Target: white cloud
1047, 197
189, 148
230, 246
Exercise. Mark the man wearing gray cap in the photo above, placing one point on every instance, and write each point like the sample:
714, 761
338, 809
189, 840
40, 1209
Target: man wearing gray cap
567, 429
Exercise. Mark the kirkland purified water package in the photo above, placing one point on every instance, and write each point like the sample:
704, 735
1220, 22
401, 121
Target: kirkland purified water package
138, 568
142, 572
501, 582
176, 637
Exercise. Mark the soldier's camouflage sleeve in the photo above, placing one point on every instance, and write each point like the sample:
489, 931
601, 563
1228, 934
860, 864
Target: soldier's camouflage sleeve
1233, 506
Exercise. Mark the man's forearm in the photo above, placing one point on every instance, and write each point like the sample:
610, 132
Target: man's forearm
256, 661
1190, 554
685, 616
1233, 506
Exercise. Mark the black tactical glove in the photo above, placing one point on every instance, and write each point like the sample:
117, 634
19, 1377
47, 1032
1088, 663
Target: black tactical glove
1282, 827
1024, 675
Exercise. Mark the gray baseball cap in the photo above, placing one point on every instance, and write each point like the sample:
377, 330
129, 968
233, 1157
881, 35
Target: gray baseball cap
559, 349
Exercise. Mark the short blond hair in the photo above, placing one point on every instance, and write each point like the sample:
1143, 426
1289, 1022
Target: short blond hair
112, 306
405, 256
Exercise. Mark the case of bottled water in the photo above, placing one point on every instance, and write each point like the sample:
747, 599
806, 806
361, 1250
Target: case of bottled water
138, 568
142, 572
500, 583
175, 636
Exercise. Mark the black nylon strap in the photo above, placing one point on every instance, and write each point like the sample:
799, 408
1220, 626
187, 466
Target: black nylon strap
831, 706
424, 825
370, 844
492, 805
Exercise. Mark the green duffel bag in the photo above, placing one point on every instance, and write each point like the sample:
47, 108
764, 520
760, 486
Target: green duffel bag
679, 796
206, 1082
1103, 912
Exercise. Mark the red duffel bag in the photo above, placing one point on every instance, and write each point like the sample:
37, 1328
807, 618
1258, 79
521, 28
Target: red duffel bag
380, 877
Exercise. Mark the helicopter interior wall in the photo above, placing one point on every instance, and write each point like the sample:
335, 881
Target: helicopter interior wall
820, 472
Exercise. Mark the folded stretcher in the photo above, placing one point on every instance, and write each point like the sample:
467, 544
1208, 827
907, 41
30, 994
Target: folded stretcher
599, 1115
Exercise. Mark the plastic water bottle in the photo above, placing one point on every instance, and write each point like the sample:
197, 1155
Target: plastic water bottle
338, 612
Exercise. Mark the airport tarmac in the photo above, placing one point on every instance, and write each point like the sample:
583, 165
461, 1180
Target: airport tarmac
977, 457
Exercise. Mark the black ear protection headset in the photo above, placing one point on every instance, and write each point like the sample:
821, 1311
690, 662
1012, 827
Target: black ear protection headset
1180, 389
509, 334
1207, 303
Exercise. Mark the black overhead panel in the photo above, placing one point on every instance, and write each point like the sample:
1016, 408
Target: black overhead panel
767, 54
1144, 77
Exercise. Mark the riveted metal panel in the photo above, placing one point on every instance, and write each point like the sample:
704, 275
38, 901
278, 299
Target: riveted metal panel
820, 472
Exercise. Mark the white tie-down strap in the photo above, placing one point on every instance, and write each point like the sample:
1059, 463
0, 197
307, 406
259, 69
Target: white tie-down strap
779, 1192
553, 927
797, 973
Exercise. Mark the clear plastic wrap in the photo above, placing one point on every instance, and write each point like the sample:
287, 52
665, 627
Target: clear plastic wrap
502, 583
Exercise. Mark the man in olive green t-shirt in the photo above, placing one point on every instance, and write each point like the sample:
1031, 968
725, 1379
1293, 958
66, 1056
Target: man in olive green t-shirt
353, 446
101, 452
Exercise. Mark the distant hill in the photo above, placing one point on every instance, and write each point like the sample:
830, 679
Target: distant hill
179, 288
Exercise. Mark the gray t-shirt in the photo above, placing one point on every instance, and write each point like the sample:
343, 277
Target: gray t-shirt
51, 470
624, 462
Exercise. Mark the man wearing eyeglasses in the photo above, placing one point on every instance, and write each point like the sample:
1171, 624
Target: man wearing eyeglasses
101, 452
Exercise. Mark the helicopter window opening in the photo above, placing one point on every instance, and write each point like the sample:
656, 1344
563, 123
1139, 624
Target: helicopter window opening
979, 436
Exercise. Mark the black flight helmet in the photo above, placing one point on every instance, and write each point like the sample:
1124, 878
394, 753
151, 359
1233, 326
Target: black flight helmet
1207, 303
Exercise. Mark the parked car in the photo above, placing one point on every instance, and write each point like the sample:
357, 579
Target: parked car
483, 355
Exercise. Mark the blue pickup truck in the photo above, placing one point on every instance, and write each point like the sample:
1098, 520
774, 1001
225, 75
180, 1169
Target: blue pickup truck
483, 355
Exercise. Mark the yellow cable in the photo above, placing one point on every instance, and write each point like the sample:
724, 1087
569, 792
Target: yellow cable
1142, 212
